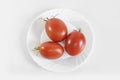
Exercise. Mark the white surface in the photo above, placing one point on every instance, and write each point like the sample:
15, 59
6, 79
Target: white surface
37, 35
16, 16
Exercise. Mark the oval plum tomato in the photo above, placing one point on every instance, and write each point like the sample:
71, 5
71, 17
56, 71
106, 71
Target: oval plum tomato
56, 29
75, 43
51, 50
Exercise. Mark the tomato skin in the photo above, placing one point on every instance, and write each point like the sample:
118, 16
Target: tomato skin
56, 29
75, 43
51, 50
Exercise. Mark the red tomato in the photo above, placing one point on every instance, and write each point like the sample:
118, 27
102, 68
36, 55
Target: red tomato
51, 50
56, 29
75, 43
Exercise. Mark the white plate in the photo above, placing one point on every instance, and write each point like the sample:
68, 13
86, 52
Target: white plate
37, 35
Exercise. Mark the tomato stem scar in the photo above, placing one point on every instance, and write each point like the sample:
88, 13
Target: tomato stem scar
36, 48
47, 18
79, 29
43, 19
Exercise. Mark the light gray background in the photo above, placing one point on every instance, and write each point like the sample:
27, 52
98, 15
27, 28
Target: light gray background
103, 63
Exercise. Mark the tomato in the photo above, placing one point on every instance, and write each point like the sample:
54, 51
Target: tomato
51, 50
56, 29
75, 43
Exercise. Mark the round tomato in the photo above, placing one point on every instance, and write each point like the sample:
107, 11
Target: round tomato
56, 29
51, 50
75, 43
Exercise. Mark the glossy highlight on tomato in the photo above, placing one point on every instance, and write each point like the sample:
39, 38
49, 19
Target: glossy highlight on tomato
75, 43
51, 50
56, 29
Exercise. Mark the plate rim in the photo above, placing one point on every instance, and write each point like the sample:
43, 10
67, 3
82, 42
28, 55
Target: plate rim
38, 16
